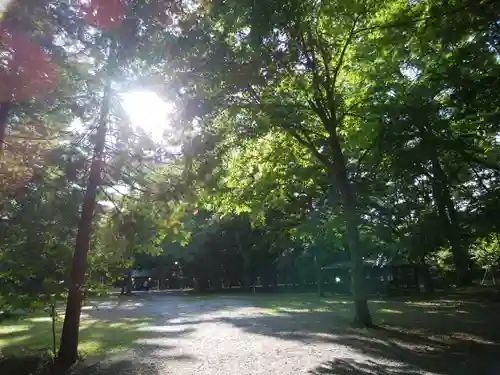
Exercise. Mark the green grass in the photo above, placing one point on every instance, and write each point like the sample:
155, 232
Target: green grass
97, 337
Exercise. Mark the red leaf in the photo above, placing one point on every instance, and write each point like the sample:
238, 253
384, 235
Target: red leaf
27, 71
103, 14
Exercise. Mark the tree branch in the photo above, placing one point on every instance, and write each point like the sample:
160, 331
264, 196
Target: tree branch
350, 114
347, 43
110, 198
307, 143
360, 160
486, 164
253, 93
320, 111
312, 66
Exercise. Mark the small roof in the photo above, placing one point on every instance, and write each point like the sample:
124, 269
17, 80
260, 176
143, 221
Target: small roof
142, 273
380, 261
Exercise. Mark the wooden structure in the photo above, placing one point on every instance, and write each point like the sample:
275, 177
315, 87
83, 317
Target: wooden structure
383, 276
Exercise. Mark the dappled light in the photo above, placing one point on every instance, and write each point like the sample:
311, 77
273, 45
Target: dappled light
248, 187
389, 311
353, 367
407, 339
98, 336
13, 328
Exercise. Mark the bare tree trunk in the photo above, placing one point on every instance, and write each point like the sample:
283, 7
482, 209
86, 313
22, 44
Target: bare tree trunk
446, 209
447, 212
68, 349
53, 316
362, 317
4, 118
246, 279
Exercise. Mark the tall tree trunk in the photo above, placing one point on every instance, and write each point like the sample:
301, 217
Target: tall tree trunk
4, 118
362, 317
446, 209
245, 257
68, 350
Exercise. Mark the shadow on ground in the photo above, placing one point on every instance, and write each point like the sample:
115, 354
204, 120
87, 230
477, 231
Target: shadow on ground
124, 366
115, 341
352, 367
448, 335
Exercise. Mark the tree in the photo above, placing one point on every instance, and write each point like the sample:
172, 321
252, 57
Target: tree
486, 252
69, 338
27, 71
87, 46
37, 231
116, 43
311, 130
287, 67
431, 137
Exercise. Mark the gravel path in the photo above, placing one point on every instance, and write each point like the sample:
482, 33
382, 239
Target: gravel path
230, 336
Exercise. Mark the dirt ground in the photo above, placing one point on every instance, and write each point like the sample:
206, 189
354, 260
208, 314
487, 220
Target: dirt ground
301, 334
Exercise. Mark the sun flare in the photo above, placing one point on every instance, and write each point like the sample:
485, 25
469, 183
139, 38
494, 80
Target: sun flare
147, 111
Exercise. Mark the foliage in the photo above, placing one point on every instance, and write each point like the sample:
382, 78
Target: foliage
305, 133
486, 252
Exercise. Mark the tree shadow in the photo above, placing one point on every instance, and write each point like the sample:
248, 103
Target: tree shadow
111, 342
446, 336
147, 329
353, 367
389, 351
128, 366
443, 336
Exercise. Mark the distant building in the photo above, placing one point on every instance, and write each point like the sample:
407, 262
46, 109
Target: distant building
383, 275
142, 279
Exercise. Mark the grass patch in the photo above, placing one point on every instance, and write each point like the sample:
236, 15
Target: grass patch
389, 311
97, 337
